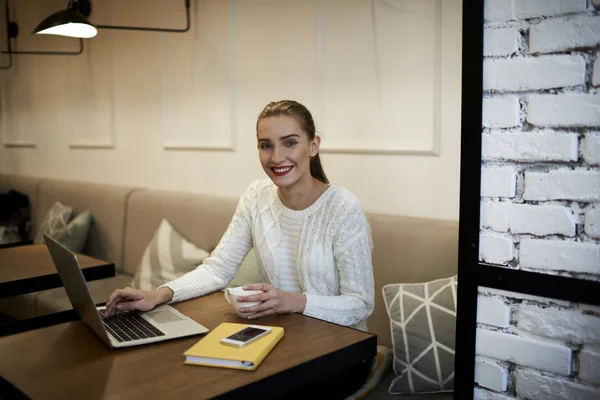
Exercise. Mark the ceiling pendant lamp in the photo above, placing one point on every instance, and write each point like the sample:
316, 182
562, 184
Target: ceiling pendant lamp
69, 22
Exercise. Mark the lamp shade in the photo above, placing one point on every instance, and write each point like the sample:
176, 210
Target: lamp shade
66, 23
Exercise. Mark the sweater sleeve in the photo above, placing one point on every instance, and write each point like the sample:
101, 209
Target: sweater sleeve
352, 255
218, 270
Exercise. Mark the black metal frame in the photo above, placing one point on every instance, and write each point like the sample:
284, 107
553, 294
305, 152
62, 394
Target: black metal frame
140, 28
75, 53
10, 34
471, 272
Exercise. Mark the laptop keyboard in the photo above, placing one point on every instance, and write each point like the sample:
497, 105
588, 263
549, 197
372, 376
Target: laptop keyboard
126, 327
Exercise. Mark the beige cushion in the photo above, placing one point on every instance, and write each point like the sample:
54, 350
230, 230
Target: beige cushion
408, 250
200, 219
106, 203
54, 300
167, 257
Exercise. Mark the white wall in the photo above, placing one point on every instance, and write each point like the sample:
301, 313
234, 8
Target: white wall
114, 113
540, 197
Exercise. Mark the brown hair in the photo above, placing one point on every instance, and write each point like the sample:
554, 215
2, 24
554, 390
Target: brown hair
307, 124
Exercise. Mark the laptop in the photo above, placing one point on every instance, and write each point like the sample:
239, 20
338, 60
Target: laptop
125, 329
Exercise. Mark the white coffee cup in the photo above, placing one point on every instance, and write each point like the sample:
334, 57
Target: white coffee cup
232, 294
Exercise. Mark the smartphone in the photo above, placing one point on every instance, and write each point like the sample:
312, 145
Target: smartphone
247, 335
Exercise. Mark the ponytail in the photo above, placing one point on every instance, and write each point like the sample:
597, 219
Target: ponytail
316, 169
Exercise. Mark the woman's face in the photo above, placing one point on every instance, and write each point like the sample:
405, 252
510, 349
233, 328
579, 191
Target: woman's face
285, 150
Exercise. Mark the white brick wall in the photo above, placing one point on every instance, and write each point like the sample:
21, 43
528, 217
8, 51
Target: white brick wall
591, 148
530, 146
571, 325
527, 73
540, 196
562, 185
538, 353
562, 34
564, 110
525, 218
492, 311
499, 10
589, 365
498, 181
501, 42
534, 385
525, 9
523, 296
482, 394
596, 73
495, 248
592, 222
563, 255
490, 374
501, 112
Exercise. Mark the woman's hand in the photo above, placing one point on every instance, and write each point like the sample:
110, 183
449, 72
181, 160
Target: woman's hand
135, 299
274, 301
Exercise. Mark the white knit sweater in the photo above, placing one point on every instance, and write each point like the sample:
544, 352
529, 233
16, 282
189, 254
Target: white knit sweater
333, 258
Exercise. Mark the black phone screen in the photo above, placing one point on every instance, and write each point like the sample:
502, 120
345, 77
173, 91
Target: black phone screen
246, 334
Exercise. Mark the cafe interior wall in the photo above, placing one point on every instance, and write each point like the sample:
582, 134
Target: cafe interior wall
177, 111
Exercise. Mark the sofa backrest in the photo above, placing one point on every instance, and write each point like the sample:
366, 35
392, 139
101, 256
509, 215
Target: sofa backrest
199, 218
408, 250
27, 185
106, 203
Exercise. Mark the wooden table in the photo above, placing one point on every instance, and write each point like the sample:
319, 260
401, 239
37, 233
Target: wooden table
26, 269
70, 361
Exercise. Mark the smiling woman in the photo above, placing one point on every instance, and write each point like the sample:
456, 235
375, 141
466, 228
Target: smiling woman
312, 239
288, 149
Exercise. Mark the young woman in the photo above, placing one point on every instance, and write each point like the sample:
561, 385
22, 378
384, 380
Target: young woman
311, 238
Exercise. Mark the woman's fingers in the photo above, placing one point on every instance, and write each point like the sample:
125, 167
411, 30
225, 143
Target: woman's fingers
131, 305
262, 314
258, 286
269, 292
120, 297
259, 307
267, 305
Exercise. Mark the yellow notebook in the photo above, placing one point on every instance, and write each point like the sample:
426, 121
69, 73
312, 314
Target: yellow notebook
211, 352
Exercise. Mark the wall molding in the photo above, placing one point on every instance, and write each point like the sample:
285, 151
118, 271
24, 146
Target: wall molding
228, 142
383, 146
23, 145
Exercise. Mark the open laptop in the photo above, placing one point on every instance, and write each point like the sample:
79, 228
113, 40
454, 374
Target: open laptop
122, 330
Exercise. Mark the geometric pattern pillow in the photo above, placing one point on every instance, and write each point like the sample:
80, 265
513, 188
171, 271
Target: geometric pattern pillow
56, 220
423, 326
168, 256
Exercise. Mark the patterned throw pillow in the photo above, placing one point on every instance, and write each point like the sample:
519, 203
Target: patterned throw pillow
56, 220
75, 234
167, 257
423, 324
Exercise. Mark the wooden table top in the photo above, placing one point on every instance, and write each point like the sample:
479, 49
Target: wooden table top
70, 361
30, 261
30, 268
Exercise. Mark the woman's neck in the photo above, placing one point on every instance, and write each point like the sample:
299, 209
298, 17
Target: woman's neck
302, 195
